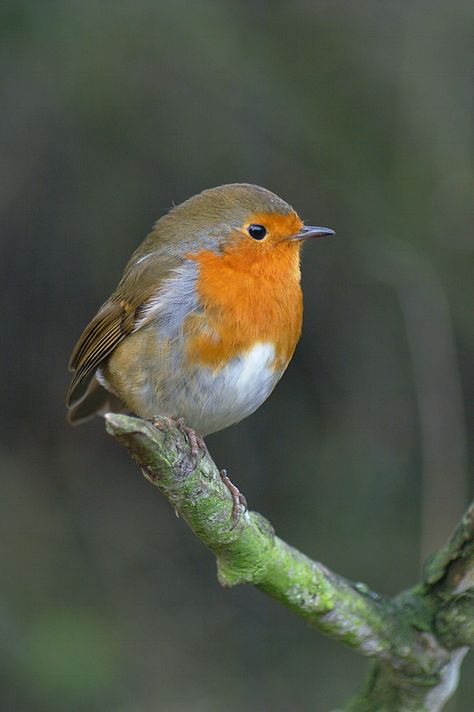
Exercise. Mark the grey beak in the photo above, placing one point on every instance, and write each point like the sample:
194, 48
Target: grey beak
312, 231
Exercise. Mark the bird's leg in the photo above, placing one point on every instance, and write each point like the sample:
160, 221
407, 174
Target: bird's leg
196, 442
239, 503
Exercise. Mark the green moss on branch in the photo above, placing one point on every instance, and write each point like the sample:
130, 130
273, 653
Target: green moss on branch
418, 639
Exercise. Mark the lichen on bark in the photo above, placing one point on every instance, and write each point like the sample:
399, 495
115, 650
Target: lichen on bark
417, 640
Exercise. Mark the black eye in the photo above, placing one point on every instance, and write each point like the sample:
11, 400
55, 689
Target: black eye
258, 232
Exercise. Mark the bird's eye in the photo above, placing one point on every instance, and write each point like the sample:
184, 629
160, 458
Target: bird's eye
258, 232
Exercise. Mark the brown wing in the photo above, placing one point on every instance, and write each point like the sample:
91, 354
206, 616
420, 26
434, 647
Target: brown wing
113, 322
118, 316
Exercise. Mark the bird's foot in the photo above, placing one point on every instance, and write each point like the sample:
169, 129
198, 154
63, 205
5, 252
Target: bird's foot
196, 442
239, 503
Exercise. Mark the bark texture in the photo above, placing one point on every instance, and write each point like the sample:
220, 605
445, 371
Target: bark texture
417, 640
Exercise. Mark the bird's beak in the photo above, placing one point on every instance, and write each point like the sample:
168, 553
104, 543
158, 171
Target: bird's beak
308, 231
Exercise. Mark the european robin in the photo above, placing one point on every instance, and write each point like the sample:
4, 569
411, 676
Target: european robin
205, 318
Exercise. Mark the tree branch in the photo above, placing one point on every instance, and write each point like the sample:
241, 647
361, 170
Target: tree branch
418, 639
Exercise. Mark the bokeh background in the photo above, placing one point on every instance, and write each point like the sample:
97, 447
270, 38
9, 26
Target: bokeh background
359, 114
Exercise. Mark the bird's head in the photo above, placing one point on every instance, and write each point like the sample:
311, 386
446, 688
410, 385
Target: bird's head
238, 219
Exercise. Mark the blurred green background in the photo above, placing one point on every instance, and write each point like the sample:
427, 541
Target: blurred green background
360, 115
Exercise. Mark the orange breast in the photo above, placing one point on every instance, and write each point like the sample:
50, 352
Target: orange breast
246, 300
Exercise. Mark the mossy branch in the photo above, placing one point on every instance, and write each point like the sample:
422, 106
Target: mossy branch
417, 640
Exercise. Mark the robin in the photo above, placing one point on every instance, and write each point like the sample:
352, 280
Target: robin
205, 318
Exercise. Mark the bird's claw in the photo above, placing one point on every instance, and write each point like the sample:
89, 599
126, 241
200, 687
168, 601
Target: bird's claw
239, 503
196, 442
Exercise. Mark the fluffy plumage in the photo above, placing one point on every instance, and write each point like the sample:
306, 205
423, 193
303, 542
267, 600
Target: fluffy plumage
205, 318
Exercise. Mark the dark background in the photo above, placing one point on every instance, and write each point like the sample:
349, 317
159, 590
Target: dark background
360, 115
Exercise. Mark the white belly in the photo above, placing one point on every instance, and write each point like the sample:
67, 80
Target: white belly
210, 400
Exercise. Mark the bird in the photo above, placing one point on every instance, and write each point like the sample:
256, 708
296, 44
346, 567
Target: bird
205, 318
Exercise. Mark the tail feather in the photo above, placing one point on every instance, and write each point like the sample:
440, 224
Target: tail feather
95, 401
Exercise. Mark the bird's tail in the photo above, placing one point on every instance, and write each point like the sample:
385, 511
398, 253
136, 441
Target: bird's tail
95, 401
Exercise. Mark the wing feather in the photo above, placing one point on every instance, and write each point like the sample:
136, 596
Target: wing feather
119, 316
99, 339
